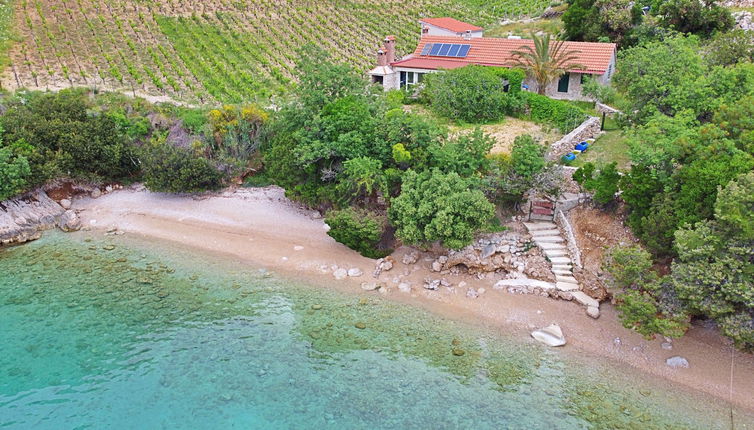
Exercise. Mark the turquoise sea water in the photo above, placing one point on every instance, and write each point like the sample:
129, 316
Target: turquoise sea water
111, 333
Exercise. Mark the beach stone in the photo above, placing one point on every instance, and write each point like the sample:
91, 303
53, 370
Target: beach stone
404, 287
593, 311
472, 293
96, 193
355, 272
109, 189
340, 274
436, 266
66, 204
481, 291
667, 346
298, 248
369, 286
677, 361
488, 251
551, 335
69, 221
411, 257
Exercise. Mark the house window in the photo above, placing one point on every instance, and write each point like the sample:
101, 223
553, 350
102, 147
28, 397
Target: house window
506, 85
563, 83
378, 80
583, 78
410, 78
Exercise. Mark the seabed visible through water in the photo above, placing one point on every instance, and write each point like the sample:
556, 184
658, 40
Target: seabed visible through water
108, 332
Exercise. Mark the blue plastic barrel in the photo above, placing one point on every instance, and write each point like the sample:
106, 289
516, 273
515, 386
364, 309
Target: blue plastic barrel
582, 146
570, 156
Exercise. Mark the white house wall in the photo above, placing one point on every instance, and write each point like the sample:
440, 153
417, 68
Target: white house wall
433, 30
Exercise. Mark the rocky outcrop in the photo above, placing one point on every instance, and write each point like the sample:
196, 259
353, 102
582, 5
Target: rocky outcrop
744, 20
507, 252
24, 218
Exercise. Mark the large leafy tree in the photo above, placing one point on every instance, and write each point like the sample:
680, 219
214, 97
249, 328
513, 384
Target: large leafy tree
701, 17
597, 20
545, 60
435, 206
714, 272
13, 173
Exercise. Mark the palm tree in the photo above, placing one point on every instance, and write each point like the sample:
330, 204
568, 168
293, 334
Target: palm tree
546, 61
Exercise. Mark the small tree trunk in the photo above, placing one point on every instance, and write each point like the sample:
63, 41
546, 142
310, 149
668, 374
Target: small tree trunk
541, 88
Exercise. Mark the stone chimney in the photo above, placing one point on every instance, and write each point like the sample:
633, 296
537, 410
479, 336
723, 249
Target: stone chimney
390, 49
381, 57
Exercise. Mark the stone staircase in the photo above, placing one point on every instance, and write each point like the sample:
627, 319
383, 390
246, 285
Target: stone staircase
548, 238
542, 210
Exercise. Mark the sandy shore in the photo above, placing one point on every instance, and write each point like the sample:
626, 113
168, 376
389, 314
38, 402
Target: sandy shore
261, 226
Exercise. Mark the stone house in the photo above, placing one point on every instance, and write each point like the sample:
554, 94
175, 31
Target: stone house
447, 43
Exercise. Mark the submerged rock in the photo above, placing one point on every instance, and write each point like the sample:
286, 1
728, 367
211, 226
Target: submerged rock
369, 286
355, 272
360, 325
458, 352
69, 221
551, 335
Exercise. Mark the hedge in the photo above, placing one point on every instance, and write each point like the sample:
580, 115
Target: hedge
557, 113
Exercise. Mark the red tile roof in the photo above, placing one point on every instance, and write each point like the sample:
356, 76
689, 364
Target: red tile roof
492, 51
451, 24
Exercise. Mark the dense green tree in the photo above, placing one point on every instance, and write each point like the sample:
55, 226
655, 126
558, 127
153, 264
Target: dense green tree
435, 206
730, 47
465, 154
473, 93
357, 229
703, 17
14, 171
174, 170
638, 288
527, 157
604, 184
714, 272
600, 20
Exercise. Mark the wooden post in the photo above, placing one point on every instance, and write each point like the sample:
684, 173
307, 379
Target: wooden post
602, 126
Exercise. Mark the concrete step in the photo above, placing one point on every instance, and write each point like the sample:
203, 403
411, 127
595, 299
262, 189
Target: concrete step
570, 279
523, 282
567, 286
531, 226
550, 239
561, 261
556, 253
585, 300
536, 217
562, 272
537, 233
550, 245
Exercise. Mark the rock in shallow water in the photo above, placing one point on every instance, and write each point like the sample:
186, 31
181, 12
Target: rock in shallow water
551, 335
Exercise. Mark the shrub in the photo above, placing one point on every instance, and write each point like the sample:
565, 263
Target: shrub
173, 170
436, 206
604, 185
527, 157
474, 93
556, 113
465, 155
14, 170
357, 229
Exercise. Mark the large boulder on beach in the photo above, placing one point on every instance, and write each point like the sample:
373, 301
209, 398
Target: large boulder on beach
69, 221
551, 335
24, 217
676, 362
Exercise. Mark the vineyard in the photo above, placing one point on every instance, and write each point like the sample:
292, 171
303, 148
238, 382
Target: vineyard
212, 50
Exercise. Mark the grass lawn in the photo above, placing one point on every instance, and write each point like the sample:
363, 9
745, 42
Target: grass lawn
609, 147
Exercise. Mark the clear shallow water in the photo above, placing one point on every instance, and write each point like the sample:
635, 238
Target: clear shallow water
109, 333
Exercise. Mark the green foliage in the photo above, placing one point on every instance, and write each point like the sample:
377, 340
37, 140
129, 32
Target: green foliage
465, 155
436, 206
653, 84
474, 93
321, 80
703, 18
401, 155
604, 185
594, 20
362, 176
14, 171
58, 135
714, 272
527, 157
358, 230
730, 47
174, 170
556, 113
630, 269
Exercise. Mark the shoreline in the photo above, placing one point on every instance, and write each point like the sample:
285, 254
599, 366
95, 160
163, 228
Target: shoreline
262, 227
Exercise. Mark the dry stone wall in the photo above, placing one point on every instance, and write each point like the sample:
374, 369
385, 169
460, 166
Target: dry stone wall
588, 129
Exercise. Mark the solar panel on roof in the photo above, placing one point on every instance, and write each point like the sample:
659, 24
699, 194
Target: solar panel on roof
463, 51
444, 50
453, 52
435, 49
427, 48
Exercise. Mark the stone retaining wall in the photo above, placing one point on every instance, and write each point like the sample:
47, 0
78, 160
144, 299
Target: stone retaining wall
588, 129
562, 221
